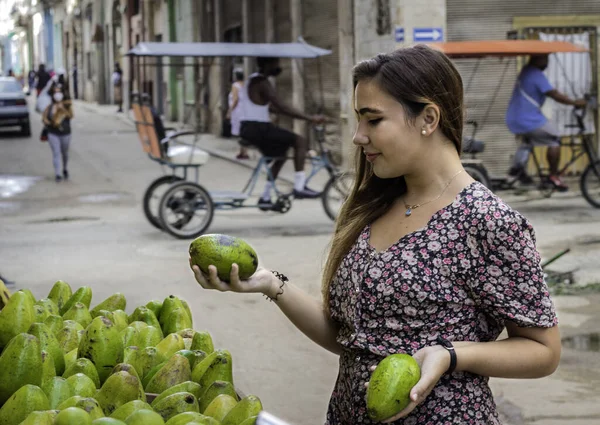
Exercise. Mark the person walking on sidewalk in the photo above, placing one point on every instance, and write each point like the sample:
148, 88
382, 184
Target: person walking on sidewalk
424, 260
57, 121
234, 113
117, 80
258, 95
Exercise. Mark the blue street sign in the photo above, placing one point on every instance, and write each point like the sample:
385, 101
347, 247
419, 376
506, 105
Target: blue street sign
428, 34
399, 34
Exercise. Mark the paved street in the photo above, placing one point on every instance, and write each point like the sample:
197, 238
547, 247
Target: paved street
92, 231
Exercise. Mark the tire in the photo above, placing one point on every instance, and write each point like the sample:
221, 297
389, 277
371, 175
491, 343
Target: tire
178, 208
590, 184
479, 174
336, 191
151, 211
26, 130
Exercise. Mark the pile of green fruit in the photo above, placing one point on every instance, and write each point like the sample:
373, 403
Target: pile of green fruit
62, 363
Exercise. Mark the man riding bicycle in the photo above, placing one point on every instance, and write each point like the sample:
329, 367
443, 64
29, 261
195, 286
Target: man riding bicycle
256, 98
524, 118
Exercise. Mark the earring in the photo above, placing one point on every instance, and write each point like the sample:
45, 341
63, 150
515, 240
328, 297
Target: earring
423, 132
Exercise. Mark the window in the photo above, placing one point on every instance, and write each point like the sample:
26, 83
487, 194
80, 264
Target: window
384, 24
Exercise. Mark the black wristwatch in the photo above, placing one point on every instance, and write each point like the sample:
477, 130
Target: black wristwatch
448, 346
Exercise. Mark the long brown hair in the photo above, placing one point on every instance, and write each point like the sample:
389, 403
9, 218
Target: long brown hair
416, 77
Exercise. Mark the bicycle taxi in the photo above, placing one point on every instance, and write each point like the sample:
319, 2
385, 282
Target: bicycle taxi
580, 145
176, 202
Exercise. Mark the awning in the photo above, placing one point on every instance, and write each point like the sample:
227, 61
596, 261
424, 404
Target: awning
505, 48
298, 49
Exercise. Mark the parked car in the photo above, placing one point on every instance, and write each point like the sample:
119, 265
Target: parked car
13, 105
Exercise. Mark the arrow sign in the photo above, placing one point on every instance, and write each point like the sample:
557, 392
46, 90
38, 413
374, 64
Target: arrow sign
399, 34
428, 34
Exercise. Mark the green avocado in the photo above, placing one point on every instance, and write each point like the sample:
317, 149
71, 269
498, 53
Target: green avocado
222, 251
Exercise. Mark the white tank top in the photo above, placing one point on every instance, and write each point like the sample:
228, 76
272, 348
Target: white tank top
250, 110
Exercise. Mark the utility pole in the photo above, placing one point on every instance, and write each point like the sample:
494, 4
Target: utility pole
172, 70
246, 34
346, 61
297, 66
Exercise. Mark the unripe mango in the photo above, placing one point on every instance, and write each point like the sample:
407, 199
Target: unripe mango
222, 251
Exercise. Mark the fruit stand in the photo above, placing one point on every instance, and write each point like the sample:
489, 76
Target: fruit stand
64, 362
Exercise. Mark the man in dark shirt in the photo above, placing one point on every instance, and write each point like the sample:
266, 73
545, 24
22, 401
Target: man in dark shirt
42, 78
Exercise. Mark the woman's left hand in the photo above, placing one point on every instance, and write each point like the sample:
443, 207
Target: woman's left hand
434, 362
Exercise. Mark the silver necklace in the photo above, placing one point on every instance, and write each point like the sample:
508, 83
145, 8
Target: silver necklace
410, 208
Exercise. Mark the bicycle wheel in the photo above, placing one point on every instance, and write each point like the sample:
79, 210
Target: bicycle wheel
478, 173
335, 193
590, 184
152, 198
186, 210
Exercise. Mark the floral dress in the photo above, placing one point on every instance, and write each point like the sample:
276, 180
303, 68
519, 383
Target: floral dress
473, 266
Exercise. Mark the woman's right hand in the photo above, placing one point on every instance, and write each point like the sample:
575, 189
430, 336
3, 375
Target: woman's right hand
262, 281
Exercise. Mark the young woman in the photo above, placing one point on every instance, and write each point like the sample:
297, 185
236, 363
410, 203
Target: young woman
57, 120
423, 261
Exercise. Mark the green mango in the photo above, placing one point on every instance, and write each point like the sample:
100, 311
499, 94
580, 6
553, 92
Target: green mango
170, 303
148, 359
60, 293
40, 417
220, 407
16, 317
220, 369
248, 407
30, 295
50, 306
57, 390
148, 377
55, 324
48, 370
119, 388
128, 408
71, 358
121, 319
215, 389
202, 366
131, 370
25, 400
222, 251
82, 385
39, 314
131, 355
72, 416
194, 357
150, 337
186, 307
178, 320
116, 301
49, 343
144, 314
175, 404
390, 384
155, 306
82, 295
102, 344
185, 387
130, 336
175, 371
68, 337
187, 333
202, 341
78, 313
91, 406
20, 364
107, 421
85, 366
144, 417
170, 344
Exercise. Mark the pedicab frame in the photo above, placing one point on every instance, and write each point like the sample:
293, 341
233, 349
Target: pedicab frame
511, 49
186, 157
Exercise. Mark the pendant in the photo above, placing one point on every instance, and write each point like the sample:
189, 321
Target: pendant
408, 212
